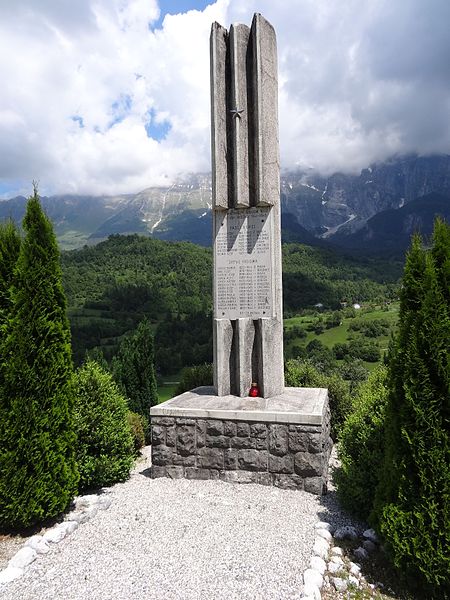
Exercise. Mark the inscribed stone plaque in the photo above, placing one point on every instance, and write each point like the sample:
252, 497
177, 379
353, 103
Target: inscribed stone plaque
243, 264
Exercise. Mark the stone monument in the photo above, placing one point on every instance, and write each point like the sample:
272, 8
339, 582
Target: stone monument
248, 314
248, 427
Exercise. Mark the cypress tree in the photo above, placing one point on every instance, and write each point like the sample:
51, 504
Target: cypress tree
133, 368
412, 507
38, 475
9, 253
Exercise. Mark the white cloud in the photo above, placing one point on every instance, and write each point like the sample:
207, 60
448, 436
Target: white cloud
82, 80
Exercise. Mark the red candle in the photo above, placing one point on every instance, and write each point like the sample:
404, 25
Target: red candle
254, 391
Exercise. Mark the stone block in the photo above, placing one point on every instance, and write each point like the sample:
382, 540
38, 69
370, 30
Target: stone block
214, 427
162, 455
165, 421
298, 440
278, 439
242, 429
184, 461
287, 482
158, 435
314, 485
230, 459
214, 475
210, 458
229, 428
309, 465
171, 436
217, 441
243, 442
252, 460
186, 439
239, 476
265, 478
281, 464
193, 473
315, 443
158, 472
261, 443
258, 430
175, 472
181, 421
200, 433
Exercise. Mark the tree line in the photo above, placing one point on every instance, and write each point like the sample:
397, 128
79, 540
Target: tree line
111, 287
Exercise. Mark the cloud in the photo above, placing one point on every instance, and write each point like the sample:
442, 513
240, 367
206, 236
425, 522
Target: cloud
103, 97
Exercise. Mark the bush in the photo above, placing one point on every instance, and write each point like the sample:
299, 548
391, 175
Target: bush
192, 377
334, 320
361, 446
371, 329
365, 350
300, 373
320, 356
133, 369
138, 425
340, 350
105, 444
353, 370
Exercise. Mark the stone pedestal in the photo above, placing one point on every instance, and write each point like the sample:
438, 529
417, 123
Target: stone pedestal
282, 441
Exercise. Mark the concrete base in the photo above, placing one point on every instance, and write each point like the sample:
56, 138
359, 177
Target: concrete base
283, 441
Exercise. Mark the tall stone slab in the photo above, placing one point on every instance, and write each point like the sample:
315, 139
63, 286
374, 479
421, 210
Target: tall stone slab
248, 324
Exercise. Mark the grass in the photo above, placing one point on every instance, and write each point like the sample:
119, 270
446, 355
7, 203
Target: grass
167, 387
166, 391
341, 333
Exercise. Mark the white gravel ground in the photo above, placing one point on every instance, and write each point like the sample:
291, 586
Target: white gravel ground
165, 539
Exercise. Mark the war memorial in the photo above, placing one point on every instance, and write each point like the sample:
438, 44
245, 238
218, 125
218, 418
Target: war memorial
248, 427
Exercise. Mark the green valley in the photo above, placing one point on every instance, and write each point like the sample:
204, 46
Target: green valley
112, 286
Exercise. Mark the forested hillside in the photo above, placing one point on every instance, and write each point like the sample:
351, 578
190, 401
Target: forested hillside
112, 286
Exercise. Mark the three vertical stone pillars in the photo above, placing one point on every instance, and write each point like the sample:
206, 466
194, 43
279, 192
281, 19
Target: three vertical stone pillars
248, 325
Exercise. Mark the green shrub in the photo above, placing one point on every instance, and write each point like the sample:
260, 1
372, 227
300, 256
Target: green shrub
137, 427
365, 350
412, 509
300, 373
192, 377
340, 350
105, 444
361, 446
133, 369
38, 474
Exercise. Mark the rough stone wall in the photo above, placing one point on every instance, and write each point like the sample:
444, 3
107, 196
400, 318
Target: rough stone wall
284, 455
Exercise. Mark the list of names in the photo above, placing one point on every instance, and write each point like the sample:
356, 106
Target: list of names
243, 264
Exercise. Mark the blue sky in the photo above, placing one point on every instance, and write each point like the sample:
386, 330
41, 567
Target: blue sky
181, 6
112, 96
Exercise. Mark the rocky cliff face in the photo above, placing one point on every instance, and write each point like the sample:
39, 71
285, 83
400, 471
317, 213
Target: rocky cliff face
332, 208
344, 203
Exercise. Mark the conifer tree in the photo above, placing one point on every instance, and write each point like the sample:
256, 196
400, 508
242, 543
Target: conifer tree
9, 253
133, 368
412, 508
38, 474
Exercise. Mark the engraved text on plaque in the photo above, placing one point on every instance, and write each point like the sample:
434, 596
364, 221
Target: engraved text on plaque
243, 264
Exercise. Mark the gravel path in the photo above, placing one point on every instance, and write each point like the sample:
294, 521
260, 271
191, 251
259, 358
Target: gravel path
164, 539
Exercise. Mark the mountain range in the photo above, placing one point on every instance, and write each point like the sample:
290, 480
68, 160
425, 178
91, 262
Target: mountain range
376, 210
